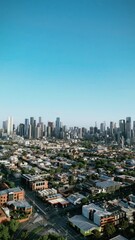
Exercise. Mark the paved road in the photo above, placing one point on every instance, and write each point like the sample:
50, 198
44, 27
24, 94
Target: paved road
52, 216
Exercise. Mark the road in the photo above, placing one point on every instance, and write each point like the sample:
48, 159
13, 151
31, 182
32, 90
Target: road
52, 215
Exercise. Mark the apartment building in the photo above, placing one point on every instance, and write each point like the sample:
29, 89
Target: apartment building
11, 194
101, 216
34, 182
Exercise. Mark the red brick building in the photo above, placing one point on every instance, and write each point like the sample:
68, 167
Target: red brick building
11, 194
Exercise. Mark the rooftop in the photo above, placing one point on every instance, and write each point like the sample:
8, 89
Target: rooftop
20, 204
11, 190
82, 223
119, 237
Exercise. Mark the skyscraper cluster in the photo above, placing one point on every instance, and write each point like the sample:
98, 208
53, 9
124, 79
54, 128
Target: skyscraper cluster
32, 129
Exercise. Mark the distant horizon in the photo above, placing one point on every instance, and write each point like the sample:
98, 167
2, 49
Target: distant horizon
74, 59
64, 123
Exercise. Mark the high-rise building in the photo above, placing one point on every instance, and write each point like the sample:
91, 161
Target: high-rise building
128, 128
57, 127
31, 121
10, 126
40, 120
26, 128
111, 128
122, 127
5, 126
133, 128
21, 129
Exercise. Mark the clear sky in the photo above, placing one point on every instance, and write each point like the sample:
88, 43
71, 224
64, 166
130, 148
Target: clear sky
69, 58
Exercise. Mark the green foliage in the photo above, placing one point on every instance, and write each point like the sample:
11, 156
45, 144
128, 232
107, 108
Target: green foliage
85, 201
24, 234
11, 184
52, 237
109, 229
87, 144
97, 234
71, 179
4, 232
124, 224
13, 226
32, 171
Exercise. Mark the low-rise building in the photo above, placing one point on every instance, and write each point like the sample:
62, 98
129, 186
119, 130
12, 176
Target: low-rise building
108, 186
102, 216
118, 237
3, 216
83, 225
22, 206
75, 198
34, 182
11, 194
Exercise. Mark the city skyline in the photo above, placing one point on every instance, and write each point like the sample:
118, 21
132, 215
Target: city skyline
73, 59
40, 119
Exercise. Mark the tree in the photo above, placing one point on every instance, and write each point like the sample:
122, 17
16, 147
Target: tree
124, 224
71, 179
32, 171
24, 234
109, 229
85, 201
4, 233
51, 237
96, 233
13, 226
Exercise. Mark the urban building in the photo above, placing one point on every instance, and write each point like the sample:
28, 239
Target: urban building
34, 182
11, 194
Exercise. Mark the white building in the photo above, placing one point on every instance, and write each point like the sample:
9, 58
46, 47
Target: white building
10, 126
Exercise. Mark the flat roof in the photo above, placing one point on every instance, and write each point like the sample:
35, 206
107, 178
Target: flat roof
11, 190
20, 204
100, 211
58, 200
119, 237
106, 184
83, 223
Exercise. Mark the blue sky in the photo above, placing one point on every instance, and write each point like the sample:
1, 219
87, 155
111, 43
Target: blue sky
69, 58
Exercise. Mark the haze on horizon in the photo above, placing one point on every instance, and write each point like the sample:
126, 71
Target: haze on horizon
69, 58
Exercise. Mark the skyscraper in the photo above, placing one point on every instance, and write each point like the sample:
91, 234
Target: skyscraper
57, 127
10, 126
26, 128
128, 128
122, 127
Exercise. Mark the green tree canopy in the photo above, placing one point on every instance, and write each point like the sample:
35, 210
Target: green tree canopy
109, 229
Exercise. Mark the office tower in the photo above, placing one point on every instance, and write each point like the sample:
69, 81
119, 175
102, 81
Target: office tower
38, 132
111, 128
122, 127
128, 128
134, 129
91, 130
57, 127
21, 129
102, 127
33, 126
10, 126
31, 121
40, 120
80, 133
30, 127
45, 131
26, 128
50, 129
5, 126
41, 129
